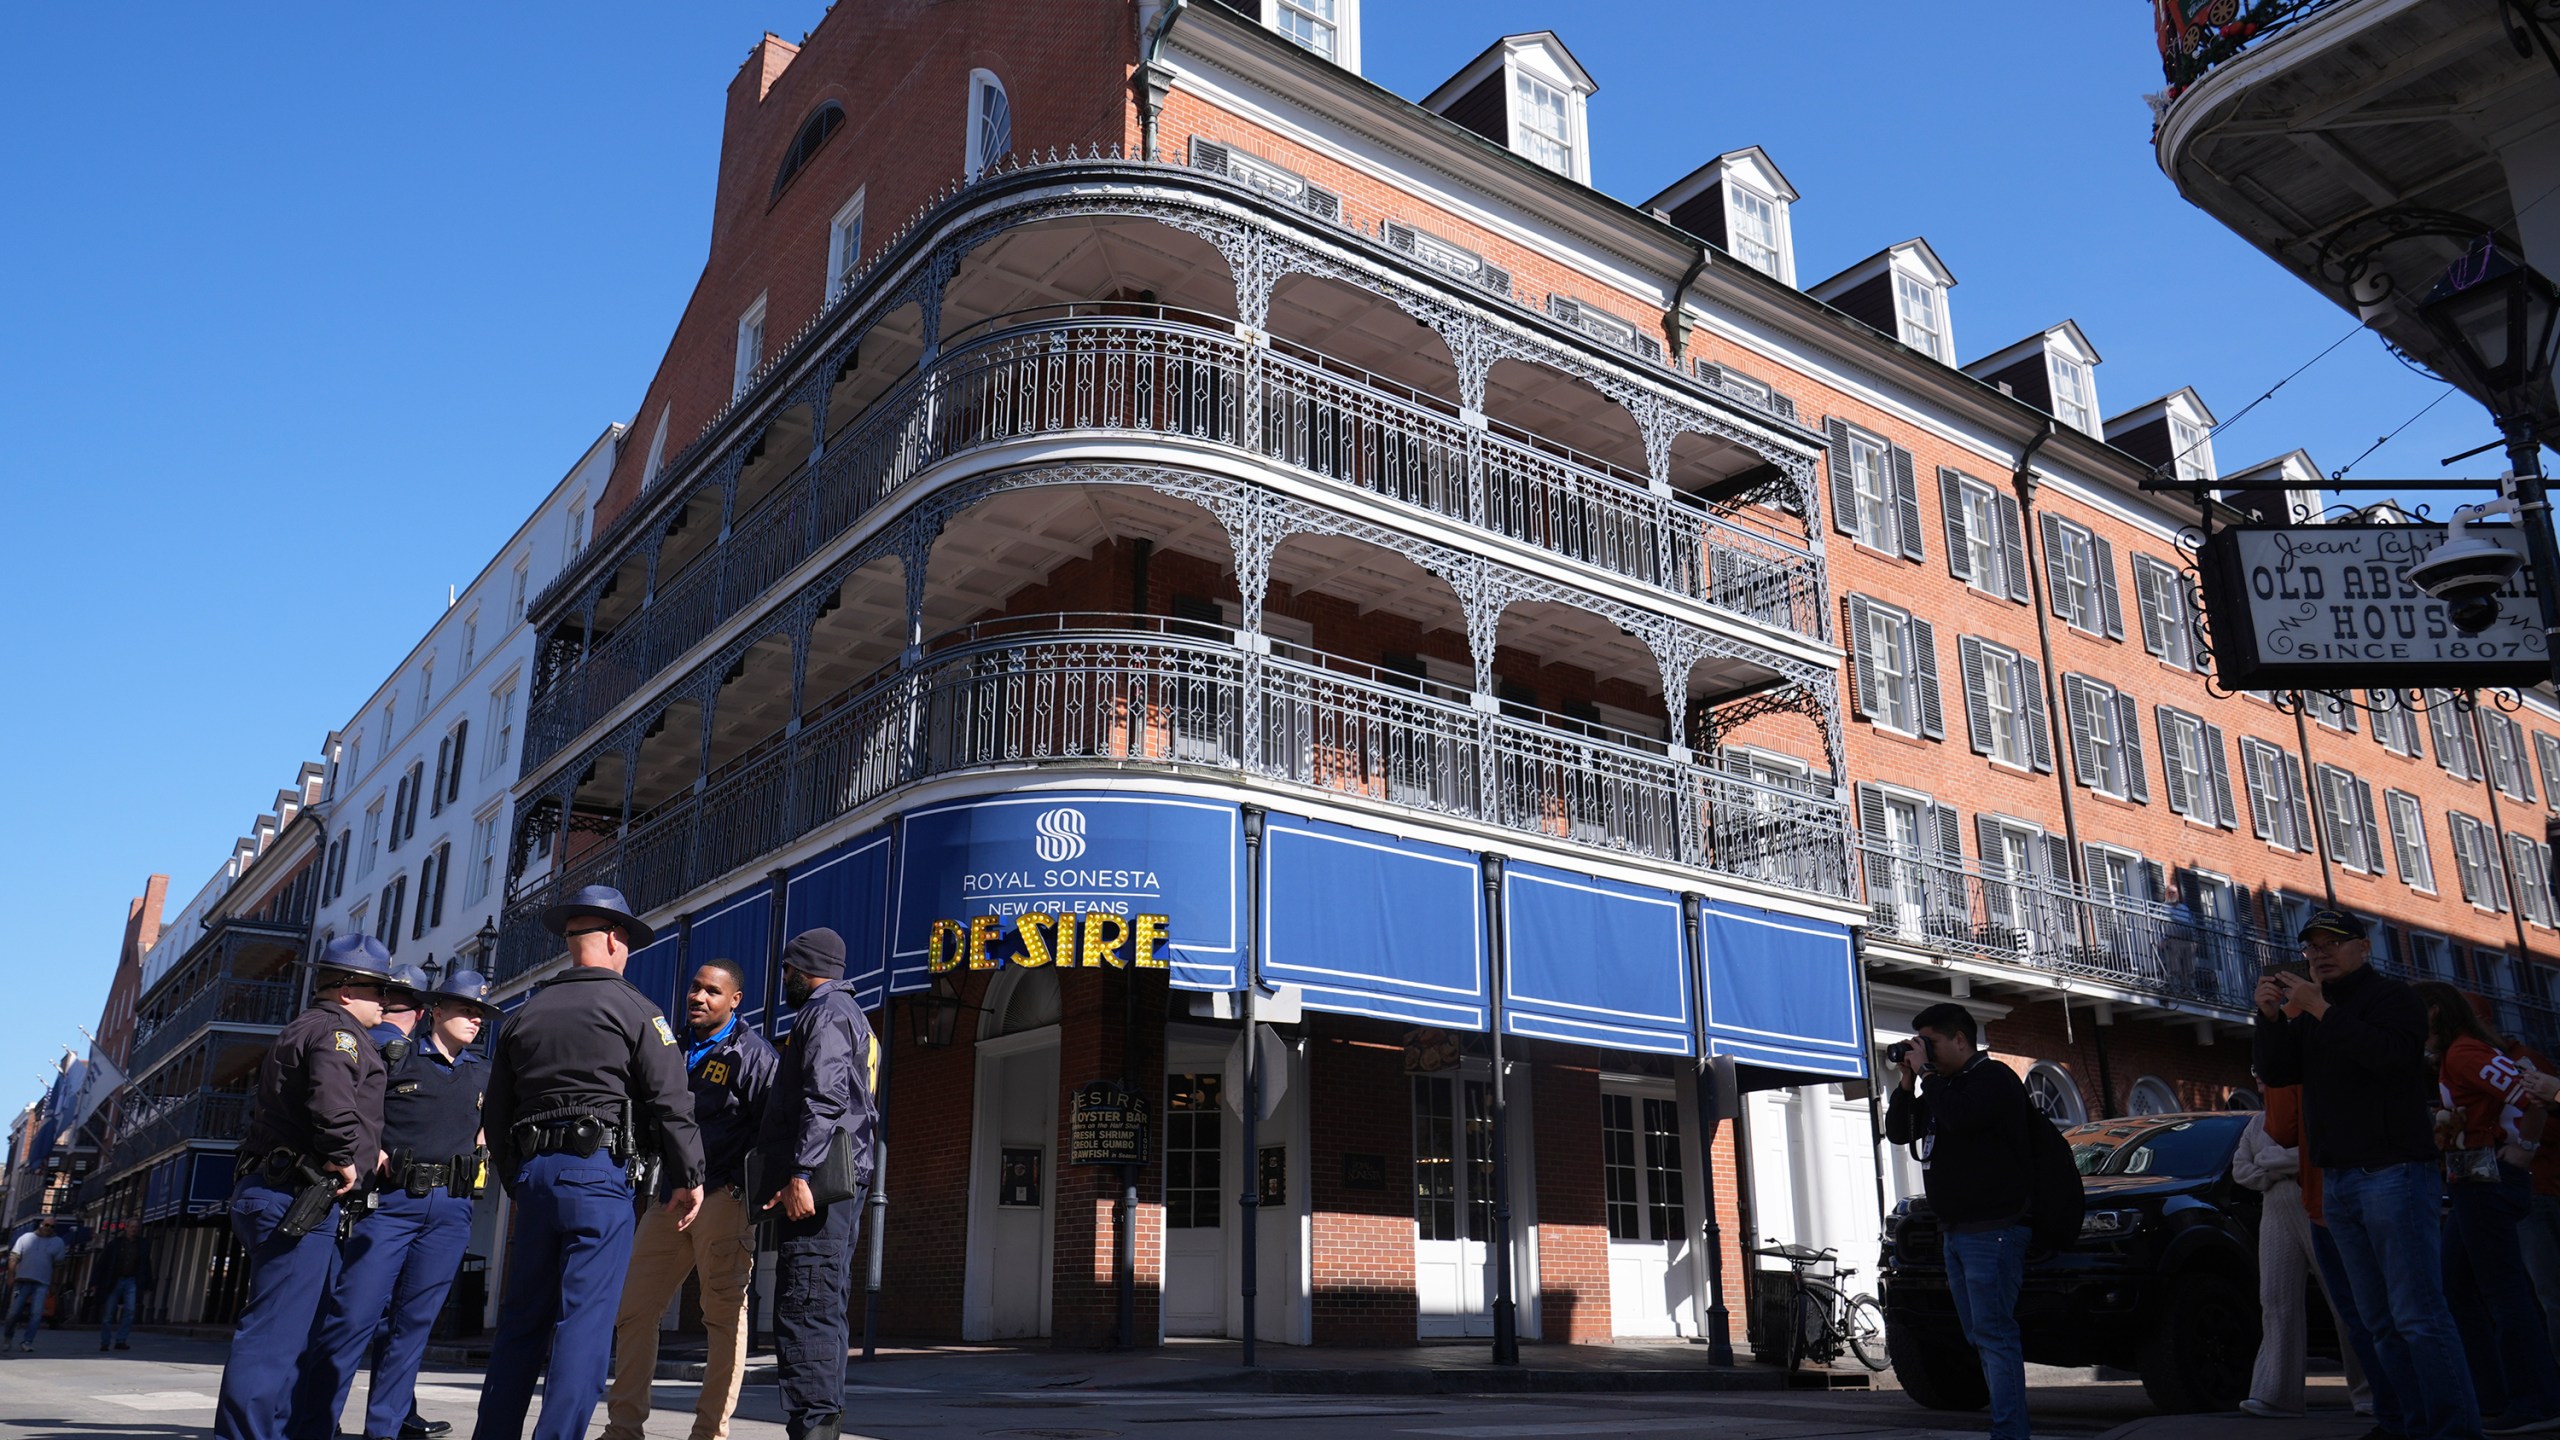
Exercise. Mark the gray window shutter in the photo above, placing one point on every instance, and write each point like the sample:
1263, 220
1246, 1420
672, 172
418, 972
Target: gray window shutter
2013, 545
2054, 594
2371, 826
1998, 903
1906, 491
1924, 674
1879, 866
2057, 859
399, 802
2155, 882
1951, 509
2102, 558
2299, 800
1844, 482
2254, 759
1871, 811
2465, 856
2129, 717
444, 759
2084, 748
2218, 770
2524, 766
1986, 841
2149, 598
2173, 768
2337, 827
1977, 699
1947, 829
2031, 703
2546, 750
1862, 666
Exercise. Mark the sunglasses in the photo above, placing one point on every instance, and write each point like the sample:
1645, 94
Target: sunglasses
590, 930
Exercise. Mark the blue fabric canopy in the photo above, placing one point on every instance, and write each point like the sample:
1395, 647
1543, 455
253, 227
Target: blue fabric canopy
735, 930
847, 891
652, 971
1594, 961
209, 1188
1371, 925
1782, 992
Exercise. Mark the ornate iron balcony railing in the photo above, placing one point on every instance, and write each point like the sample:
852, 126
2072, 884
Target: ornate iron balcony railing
1018, 378
2196, 35
227, 1001
1140, 692
150, 1125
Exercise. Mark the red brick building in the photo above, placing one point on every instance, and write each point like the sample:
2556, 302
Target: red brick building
1125, 480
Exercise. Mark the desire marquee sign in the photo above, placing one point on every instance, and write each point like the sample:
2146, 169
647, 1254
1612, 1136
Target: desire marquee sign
2331, 607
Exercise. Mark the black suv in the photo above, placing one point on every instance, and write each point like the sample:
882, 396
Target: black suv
2163, 1280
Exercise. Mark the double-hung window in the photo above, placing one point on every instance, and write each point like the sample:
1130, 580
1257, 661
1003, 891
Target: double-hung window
2080, 571
516, 593
2449, 726
1920, 309
2193, 768
2106, 738
2475, 858
2279, 805
372, 850
2509, 767
750, 349
1986, 545
2004, 704
1875, 497
2191, 447
1314, 24
2531, 860
2346, 810
2546, 752
2395, 721
844, 245
502, 726
1896, 665
2409, 841
2074, 402
2330, 708
1543, 118
484, 859
2167, 600
1752, 226
1915, 859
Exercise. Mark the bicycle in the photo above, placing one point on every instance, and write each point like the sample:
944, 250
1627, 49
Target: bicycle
1823, 1319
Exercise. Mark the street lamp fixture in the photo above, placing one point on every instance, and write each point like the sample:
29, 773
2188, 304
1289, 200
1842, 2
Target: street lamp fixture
936, 1014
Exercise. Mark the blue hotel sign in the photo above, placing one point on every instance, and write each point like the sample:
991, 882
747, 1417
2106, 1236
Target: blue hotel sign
1085, 880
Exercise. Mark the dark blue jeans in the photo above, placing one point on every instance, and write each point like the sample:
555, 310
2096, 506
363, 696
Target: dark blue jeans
115, 1323
2391, 1244
2333, 1273
2493, 1300
1984, 1271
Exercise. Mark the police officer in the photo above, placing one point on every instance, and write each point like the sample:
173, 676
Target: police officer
403, 1255
587, 1070
316, 1133
830, 1072
396, 1036
731, 1069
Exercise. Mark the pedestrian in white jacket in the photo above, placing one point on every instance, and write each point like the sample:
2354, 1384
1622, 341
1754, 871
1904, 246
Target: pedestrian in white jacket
2285, 1261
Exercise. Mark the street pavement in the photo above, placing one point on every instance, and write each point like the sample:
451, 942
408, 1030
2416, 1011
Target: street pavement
164, 1388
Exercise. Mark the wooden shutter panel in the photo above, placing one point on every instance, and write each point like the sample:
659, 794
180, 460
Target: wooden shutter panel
2147, 599
1879, 867
1997, 903
2299, 801
2370, 825
2057, 859
1862, 665
1844, 483
1924, 675
399, 802
2173, 765
1906, 491
2524, 763
2084, 748
1871, 812
426, 888
2253, 765
2129, 719
2013, 545
2102, 559
1951, 508
2546, 752
1977, 698
2053, 579
461, 733
2031, 703
2218, 772
2155, 882
444, 761
444, 869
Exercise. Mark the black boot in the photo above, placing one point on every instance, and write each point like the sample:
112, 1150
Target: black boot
814, 1427
416, 1428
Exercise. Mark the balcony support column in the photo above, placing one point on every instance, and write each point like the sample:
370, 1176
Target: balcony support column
1471, 347
915, 558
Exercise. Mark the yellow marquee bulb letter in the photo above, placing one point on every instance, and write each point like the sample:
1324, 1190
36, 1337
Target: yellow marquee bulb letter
984, 930
1098, 950
1151, 934
1032, 926
942, 946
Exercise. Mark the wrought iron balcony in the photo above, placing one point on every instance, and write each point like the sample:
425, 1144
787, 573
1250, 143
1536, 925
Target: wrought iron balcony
2196, 35
1137, 691
151, 1125
1063, 373
226, 1001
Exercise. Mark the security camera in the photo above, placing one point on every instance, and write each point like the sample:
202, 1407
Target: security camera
2467, 572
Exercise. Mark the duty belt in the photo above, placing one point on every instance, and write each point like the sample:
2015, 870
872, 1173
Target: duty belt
580, 1135
419, 1178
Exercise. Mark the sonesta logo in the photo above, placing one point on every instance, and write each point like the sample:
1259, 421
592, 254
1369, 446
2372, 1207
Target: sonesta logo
1058, 835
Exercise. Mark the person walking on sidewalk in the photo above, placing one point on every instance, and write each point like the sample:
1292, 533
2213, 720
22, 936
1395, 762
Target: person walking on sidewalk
730, 1070
2488, 1143
124, 1276
1967, 1126
2355, 1041
31, 1260
2270, 1164
819, 1129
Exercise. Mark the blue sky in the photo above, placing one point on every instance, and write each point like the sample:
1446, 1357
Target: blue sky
303, 308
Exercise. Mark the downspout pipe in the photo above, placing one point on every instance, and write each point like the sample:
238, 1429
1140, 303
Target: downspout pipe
1675, 321
1155, 79
2022, 479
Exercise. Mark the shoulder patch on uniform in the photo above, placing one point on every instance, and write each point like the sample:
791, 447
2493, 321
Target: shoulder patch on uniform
665, 1035
345, 1042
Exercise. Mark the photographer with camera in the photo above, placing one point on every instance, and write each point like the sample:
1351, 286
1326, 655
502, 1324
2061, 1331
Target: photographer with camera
1967, 1124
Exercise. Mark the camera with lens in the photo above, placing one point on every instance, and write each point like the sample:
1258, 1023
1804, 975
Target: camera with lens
1894, 1052
2466, 572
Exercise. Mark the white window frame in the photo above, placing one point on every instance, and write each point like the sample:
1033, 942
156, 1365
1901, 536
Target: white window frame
1539, 146
2118, 862
2191, 448
655, 465
844, 248
372, 851
1755, 228
2533, 879
1897, 685
2078, 567
517, 589
1986, 553
486, 838
2342, 820
983, 117
1920, 315
2075, 390
470, 641
2407, 815
1321, 20
2010, 745
2484, 890
750, 353
502, 726
2177, 624
1879, 523
2192, 761
426, 685
2057, 1082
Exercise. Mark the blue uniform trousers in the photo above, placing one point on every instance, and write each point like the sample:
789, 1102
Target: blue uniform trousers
565, 1262
287, 1279
812, 1309
401, 1260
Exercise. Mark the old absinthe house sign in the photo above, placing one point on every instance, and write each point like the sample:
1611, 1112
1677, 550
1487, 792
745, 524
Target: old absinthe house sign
2331, 607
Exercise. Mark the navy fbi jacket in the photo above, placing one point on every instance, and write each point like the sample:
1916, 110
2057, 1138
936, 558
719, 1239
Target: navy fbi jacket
731, 1075
829, 1076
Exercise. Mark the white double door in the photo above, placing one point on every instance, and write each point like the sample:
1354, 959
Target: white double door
1651, 1187
1813, 1175
1453, 1202
1205, 1173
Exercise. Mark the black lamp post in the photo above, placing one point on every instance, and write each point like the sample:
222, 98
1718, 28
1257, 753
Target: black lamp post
2497, 319
485, 946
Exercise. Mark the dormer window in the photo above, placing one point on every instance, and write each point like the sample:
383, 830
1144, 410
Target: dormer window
1920, 312
1524, 93
2072, 391
2190, 448
1751, 220
1312, 23
1738, 201
1542, 124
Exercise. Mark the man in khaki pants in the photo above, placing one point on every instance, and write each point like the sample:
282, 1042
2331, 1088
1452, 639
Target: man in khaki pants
730, 1069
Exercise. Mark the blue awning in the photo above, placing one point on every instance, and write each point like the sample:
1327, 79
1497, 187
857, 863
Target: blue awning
209, 1185
652, 970
1594, 961
1367, 924
1782, 992
736, 930
847, 890
1058, 853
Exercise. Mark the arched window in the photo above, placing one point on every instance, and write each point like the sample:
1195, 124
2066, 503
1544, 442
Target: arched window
2056, 1095
825, 121
2151, 1096
990, 122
